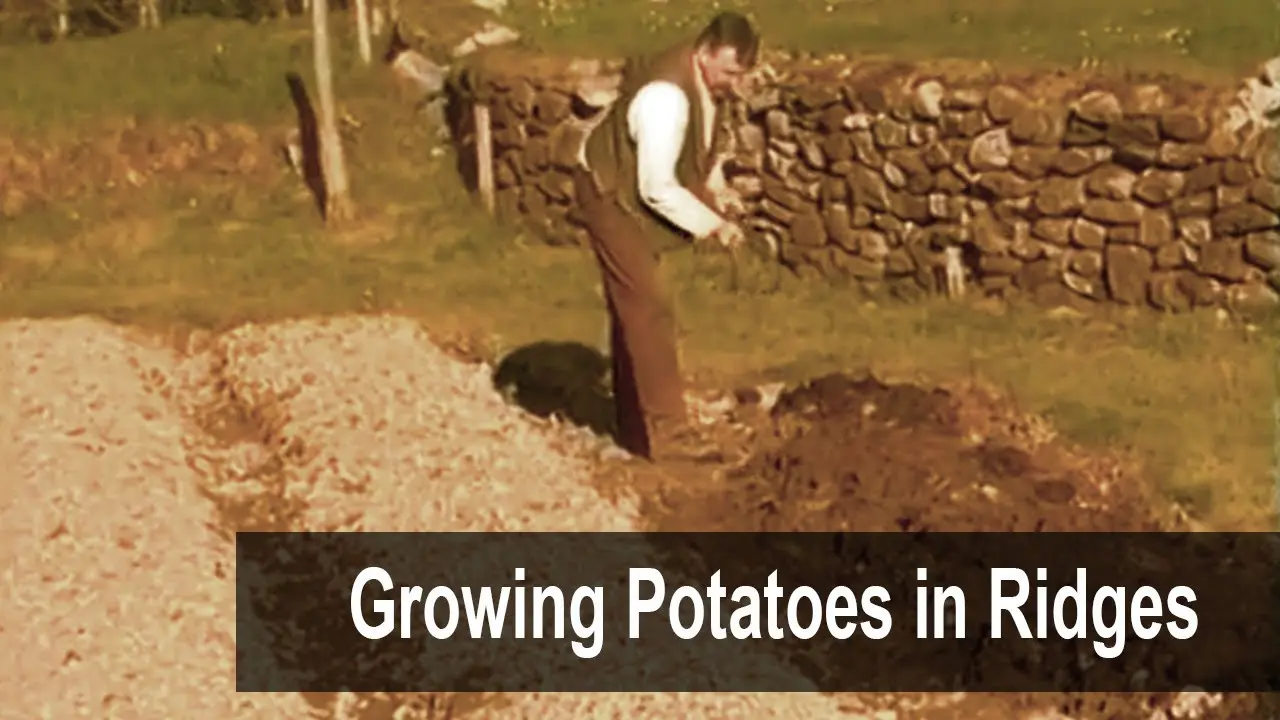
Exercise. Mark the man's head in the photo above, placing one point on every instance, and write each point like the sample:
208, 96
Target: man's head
725, 50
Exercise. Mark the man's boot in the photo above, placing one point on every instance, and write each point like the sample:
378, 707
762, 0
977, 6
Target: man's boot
676, 440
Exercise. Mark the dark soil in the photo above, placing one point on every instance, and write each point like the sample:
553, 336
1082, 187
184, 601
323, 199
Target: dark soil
858, 455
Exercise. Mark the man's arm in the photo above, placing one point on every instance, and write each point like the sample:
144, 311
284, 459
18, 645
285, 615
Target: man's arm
657, 119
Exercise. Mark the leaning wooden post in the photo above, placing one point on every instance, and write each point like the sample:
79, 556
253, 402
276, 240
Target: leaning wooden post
484, 154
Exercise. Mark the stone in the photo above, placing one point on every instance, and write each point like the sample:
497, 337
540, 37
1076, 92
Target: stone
927, 100
1236, 172
1252, 298
936, 156
1174, 255
1004, 103
552, 107
1244, 219
889, 223
898, 262
949, 182
1038, 273
777, 125
1184, 125
835, 219
1111, 182
1198, 205
1033, 163
751, 138
837, 147
1131, 131
1195, 230
1122, 234
834, 190
1265, 193
781, 193
816, 96
963, 124
1135, 157
1164, 292
1179, 156
1079, 133
868, 188
832, 119
1128, 268
1222, 143
861, 268
777, 212
1156, 228
889, 133
864, 148
921, 134
1229, 196
811, 153
1080, 160
1005, 184
1147, 99
1267, 164
749, 187
1223, 259
1158, 187
860, 217
1061, 196
1098, 107
991, 150
1113, 212
1263, 249
999, 265
1037, 126
1200, 179
1203, 291
872, 244
808, 230
1088, 263
1053, 230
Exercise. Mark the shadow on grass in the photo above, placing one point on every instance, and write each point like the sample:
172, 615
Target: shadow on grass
565, 379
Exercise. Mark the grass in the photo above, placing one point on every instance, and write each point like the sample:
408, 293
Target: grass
1188, 36
1191, 398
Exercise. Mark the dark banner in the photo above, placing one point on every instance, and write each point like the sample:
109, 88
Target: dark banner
698, 612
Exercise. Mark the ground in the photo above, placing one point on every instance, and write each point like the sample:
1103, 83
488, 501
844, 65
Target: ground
149, 189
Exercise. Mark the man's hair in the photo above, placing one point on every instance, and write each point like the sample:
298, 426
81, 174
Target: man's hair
733, 30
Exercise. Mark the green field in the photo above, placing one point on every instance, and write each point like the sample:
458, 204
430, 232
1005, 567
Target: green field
1191, 398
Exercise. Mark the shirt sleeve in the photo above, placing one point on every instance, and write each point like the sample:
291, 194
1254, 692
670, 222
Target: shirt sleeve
657, 120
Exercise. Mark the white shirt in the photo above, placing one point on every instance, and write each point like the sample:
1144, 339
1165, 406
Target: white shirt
657, 119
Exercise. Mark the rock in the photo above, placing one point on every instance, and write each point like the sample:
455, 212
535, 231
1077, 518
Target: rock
1128, 268
991, 150
1079, 133
861, 268
1005, 184
1158, 187
1265, 193
964, 99
1037, 126
808, 230
1243, 219
872, 244
1200, 179
869, 189
1080, 160
1252, 299
1061, 196
1195, 230
1223, 259
963, 124
1004, 103
1088, 234
552, 107
1203, 291
1098, 107
1229, 196
490, 34
1111, 182
927, 100
1174, 255
1179, 156
750, 138
864, 148
1263, 250
1164, 292
1184, 125
1198, 205
1053, 230
1033, 163
1113, 212
1088, 263
1003, 265
1156, 228
889, 133
777, 125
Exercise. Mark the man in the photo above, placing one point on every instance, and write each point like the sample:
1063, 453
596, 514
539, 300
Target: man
644, 187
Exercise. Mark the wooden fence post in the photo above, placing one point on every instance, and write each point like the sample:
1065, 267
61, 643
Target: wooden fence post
484, 154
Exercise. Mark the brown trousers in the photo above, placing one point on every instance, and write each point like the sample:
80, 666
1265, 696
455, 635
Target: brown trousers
647, 386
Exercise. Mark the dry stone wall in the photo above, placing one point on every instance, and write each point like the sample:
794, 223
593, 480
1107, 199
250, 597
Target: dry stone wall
1065, 188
